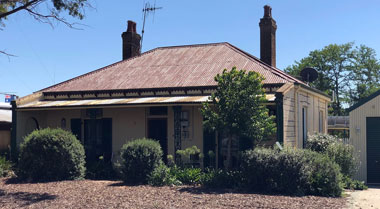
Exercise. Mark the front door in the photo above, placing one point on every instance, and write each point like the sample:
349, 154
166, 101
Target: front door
158, 130
98, 138
373, 150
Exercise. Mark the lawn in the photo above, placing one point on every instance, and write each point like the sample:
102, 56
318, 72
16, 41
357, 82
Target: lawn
113, 194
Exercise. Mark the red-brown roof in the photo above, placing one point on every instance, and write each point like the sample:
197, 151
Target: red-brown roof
171, 67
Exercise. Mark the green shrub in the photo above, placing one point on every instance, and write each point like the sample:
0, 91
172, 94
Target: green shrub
139, 158
100, 169
217, 178
320, 142
51, 154
353, 184
270, 170
324, 177
188, 176
344, 156
161, 176
190, 156
290, 171
5, 167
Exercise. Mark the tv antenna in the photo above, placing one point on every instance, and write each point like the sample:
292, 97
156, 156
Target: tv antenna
147, 10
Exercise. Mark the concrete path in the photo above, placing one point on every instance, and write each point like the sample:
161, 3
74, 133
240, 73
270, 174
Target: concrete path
369, 198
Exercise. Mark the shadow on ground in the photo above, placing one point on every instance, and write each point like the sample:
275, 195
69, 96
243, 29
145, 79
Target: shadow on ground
205, 190
25, 198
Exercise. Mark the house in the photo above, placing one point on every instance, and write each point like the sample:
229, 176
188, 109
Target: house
158, 94
365, 137
5, 126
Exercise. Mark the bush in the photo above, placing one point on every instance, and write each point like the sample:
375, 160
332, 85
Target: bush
51, 154
5, 167
353, 184
290, 171
324, 177
320, 142
217, 178
161, 176
188, 176
100, 169
190, 156
344, 156
139, 158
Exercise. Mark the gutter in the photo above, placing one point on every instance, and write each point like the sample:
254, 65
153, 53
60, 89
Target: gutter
313, 90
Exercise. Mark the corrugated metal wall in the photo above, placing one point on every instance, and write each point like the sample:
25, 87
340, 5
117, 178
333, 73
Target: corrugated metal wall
358, 132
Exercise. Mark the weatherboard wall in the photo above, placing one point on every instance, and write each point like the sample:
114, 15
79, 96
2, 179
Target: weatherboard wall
295, 98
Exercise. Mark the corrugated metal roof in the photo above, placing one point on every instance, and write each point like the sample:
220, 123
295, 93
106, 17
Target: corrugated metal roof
171, 67
121, 101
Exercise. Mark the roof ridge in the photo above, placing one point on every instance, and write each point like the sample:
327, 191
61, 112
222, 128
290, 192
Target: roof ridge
272, 69
194, 45
94, 71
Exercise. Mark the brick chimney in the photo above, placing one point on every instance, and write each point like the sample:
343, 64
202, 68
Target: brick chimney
268, 29
131, 41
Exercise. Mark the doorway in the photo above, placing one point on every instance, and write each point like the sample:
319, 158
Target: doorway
373, 150
158, 130
98, 139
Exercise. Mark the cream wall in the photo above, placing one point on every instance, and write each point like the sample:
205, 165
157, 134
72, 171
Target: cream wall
5, 139
358, 132
295, 98
127, 124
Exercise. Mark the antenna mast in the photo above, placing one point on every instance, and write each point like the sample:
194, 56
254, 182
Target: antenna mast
147, 9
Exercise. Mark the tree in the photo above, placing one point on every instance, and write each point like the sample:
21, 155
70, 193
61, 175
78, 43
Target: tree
365, 77
347, 72
238, 109
45, 11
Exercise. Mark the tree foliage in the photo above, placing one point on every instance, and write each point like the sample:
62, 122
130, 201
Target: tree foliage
348, 72
238, 108
45, 11
51, 9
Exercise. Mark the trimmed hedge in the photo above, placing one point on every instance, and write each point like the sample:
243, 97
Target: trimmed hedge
290, 171
139, 158
50, 155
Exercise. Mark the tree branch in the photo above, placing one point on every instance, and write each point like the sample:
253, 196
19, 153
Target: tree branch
25, 6
45, 18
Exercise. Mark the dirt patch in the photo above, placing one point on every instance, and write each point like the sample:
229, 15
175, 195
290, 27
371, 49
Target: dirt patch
113, 194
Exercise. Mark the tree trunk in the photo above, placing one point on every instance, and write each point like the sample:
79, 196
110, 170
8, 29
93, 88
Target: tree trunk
229, 153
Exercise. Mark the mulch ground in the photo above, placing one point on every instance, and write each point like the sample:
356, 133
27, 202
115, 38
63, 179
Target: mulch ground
113, 194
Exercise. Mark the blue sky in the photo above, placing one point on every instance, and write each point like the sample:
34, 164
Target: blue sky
46, 56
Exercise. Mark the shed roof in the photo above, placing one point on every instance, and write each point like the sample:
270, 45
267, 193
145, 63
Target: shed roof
172, 67
363, 101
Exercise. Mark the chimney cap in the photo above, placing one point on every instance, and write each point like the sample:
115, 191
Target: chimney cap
267, 11
131, 26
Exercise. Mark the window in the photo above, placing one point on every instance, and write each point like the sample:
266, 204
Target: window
304, 126
63, 123
158, 111
31, 125
185, 123
320, 121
